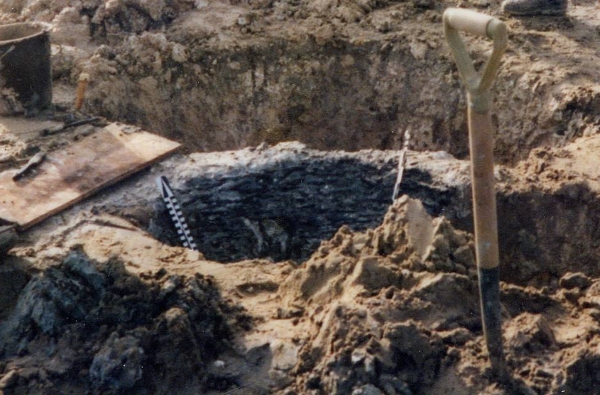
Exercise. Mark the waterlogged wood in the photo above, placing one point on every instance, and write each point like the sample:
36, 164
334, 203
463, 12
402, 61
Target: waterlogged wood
72, 174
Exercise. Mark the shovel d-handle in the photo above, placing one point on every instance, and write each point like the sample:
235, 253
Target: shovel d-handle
457, 20
481, 144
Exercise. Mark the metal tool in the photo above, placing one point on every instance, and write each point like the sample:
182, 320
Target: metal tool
481, 141
176, 214
34, 162
61, 128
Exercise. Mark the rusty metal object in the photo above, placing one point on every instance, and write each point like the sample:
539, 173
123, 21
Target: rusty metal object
66, 126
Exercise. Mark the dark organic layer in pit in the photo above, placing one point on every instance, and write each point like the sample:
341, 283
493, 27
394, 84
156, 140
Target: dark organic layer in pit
285, 207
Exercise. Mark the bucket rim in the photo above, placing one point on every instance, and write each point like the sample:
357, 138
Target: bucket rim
37, 29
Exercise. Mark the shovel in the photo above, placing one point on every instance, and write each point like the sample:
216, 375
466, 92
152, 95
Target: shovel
481, 142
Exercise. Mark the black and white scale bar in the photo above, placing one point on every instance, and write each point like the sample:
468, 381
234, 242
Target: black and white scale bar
176, 214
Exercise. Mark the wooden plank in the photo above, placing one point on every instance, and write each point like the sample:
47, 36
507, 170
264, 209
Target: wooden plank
72, 174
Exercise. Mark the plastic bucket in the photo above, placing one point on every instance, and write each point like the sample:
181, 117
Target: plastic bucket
25, 65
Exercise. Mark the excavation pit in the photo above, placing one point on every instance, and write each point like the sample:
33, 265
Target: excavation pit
281, 204
335, 75
233, 201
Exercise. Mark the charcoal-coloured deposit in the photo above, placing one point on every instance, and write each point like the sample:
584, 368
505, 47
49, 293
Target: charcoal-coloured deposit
159, 332
287, 199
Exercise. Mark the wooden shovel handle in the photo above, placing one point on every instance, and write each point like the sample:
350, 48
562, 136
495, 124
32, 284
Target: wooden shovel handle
468, 21
481, 139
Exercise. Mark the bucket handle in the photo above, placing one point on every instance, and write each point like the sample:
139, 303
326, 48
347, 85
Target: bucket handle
9, 50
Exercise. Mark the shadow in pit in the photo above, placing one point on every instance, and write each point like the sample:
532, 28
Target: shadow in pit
545, 235
15, 273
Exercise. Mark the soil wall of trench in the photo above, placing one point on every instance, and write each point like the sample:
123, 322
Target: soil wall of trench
330, 95
227, 76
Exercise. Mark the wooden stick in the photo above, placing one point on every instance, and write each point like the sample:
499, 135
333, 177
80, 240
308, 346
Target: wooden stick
81, 87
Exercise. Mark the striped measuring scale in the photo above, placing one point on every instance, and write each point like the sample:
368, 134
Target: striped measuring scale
183, 231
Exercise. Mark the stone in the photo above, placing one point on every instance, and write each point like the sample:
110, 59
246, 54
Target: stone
530, 332
373, 275
465, 256
284, 355
118, 364
457, 337
393, 385
368, 389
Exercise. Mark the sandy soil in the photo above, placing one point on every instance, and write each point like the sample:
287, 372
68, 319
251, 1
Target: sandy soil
93, 302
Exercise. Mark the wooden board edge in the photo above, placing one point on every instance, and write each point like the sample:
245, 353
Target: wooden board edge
97, 189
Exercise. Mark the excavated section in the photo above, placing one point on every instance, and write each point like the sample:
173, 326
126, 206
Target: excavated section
282, 202
285, 207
